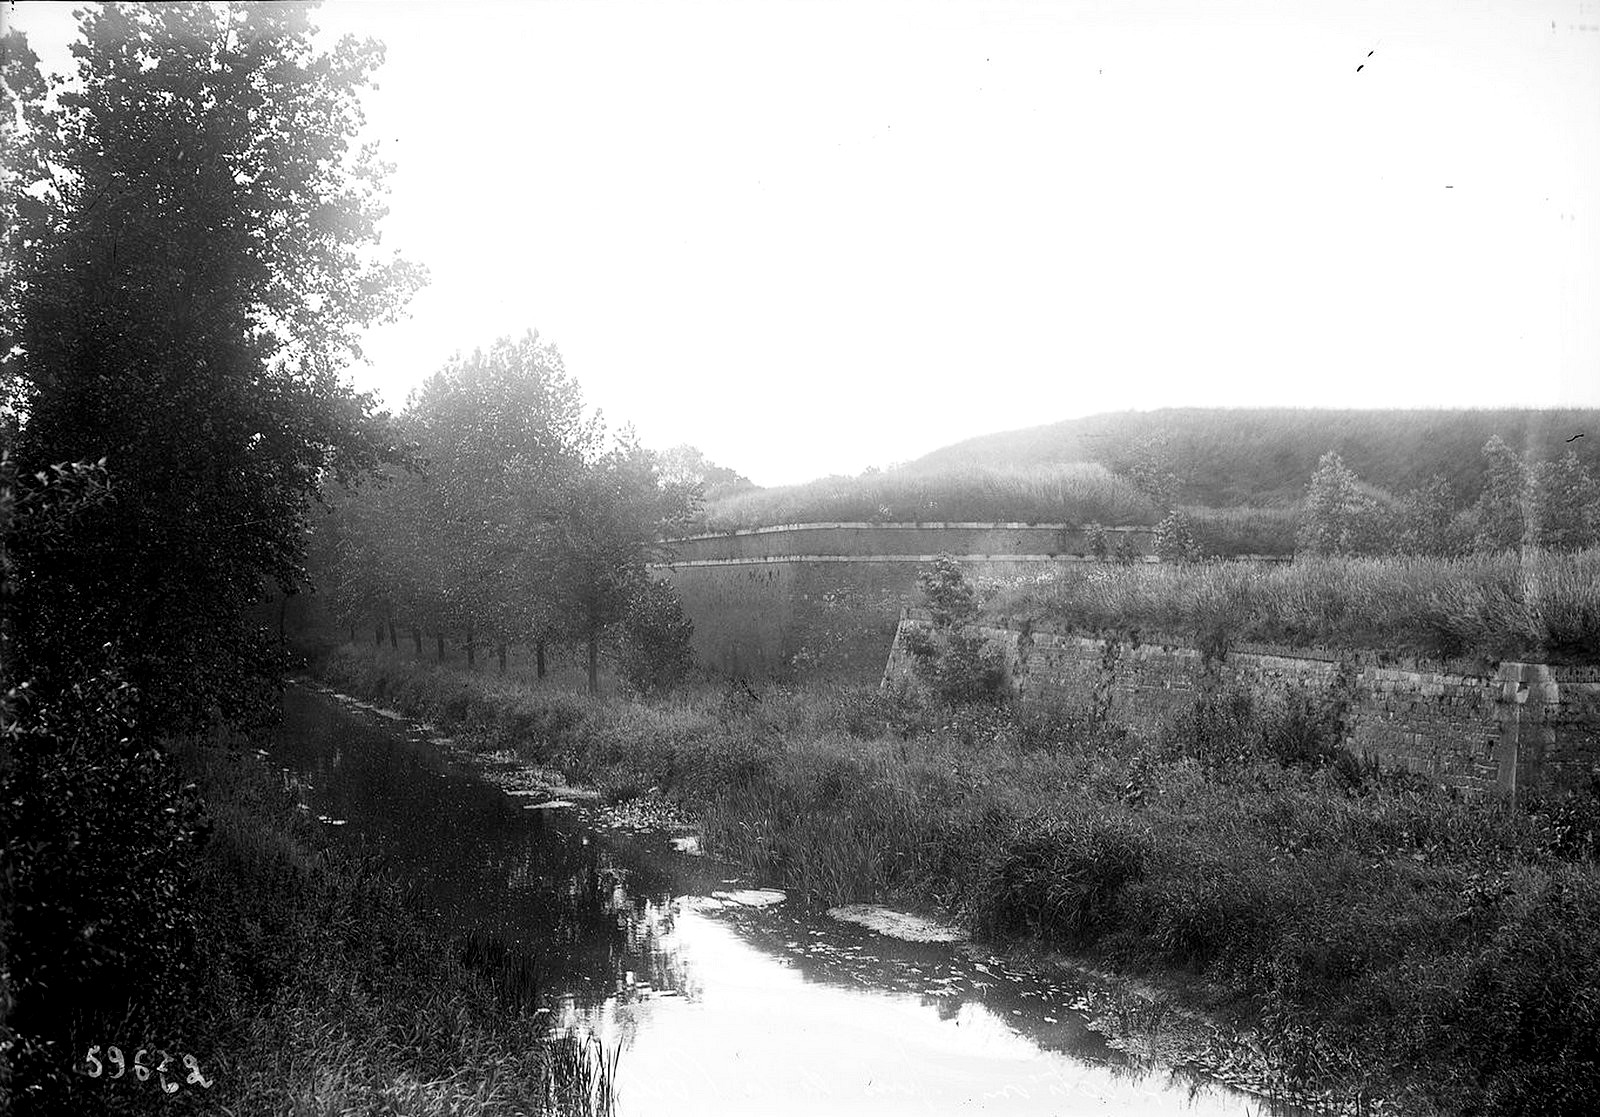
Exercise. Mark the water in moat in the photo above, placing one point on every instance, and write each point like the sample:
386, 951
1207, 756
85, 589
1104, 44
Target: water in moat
734, 1004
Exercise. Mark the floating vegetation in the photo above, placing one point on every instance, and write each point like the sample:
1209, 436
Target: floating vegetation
897, 924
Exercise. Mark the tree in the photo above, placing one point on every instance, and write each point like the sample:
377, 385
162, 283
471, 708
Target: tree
688, 466
956, 662
1429, 522
1175, 540
504, 432
187, 266
655, 652
601, 530
1339, 517
195, 278
1150, 468
949, 595
1565, 509
1502, 508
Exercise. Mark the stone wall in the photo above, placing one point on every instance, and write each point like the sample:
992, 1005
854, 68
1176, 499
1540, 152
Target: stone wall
1470, 725
822, 600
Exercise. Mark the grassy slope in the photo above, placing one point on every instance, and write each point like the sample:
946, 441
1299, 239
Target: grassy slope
1534, 606
1375, 929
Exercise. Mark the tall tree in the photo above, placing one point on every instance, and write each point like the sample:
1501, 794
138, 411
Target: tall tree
602, 530
1339, 517
188, 262
195, 279
502, 429
1565, 512
1502, 508
1429, 521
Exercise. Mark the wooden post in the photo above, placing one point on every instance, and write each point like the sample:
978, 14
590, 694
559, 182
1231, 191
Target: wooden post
538, 653
501, 652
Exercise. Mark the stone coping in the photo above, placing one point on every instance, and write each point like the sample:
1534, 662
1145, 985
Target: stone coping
924, 525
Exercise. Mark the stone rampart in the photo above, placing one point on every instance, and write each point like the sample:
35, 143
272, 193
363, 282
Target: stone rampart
823, 599
1479, 727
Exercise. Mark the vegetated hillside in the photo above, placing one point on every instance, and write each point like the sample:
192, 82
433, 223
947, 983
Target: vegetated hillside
1233, 457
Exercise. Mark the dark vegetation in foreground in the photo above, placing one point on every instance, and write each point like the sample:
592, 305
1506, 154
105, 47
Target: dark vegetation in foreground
1378, 933
334, 997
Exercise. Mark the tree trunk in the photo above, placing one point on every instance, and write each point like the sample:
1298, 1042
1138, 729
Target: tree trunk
471, 655
501, 652
594, 663
416, 638
352, 634
441, 647
379, 630
538, 659
394, 641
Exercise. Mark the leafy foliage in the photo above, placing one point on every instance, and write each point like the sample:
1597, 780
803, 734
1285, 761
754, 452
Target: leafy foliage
188, 262
1339, 517
1175, 539
958, 664
194, 274
655, 647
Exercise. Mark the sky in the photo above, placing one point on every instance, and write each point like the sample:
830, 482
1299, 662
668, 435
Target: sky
810, 238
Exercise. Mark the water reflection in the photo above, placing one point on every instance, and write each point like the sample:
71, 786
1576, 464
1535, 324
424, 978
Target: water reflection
718, 1008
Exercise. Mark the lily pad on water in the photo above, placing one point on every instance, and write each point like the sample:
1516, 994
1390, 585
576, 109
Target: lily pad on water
548, 804
897, 924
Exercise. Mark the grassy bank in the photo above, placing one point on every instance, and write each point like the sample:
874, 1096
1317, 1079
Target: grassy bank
313, 989
1373, 929
1533, 605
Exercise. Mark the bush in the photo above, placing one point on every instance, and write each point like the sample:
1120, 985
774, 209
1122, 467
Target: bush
1059, 878
655, 650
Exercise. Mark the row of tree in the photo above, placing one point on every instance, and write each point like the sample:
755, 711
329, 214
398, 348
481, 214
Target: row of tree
517, 520
1554, 504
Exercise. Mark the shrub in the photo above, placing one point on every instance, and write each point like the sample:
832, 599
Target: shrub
654, 650
1059, 877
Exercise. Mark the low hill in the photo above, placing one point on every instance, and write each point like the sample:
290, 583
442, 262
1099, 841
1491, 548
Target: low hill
1242, 472
1264, 457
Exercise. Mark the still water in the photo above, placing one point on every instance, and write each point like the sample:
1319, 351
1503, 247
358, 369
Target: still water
738, 1005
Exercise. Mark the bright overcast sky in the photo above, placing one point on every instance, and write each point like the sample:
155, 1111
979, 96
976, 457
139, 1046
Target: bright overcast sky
812, 237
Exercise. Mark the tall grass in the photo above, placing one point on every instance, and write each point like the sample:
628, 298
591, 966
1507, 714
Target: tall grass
1376, 931
1533, 605
1078, 492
